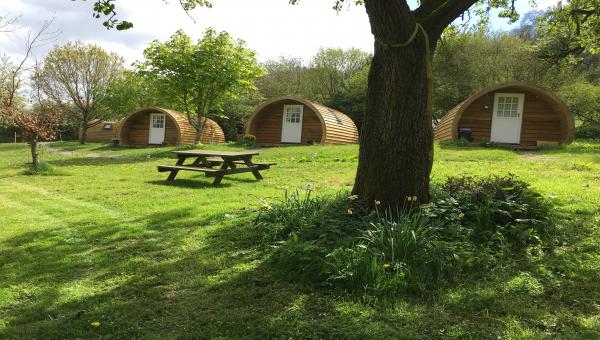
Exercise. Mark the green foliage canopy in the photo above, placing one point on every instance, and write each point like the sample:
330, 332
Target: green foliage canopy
75, 76
201, 76
570, 29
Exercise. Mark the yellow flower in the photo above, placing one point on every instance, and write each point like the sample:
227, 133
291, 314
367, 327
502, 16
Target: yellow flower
415, 198
409, 198
461, 216
386, 265
350, 211
95, 323
377, 202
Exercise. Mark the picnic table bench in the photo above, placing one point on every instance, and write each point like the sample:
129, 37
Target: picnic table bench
217, 164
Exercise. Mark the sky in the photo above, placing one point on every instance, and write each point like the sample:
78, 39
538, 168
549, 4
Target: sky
272, 28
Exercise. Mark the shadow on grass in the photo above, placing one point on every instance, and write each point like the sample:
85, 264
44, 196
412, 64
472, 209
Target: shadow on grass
201, 181
473, 147
197, 183
167, 275
173, 274
136, 280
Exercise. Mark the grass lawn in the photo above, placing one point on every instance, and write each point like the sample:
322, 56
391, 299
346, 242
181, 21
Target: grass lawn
109, 241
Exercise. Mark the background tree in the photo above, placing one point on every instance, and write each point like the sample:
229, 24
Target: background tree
570, 29
201, 76
74, 76
331, 68
36, 124
127, 93
284, 77
583, 99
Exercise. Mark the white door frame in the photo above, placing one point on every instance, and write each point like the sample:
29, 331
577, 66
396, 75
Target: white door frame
296, 135
158, 137
497, 137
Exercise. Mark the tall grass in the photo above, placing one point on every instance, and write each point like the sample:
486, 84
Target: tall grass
395, 252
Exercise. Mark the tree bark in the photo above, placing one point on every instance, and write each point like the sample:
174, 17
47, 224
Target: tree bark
201, 121
84, 133
34, 154
396, 143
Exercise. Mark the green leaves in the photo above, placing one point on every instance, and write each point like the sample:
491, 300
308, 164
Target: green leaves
570, 29
201, 76
107, 8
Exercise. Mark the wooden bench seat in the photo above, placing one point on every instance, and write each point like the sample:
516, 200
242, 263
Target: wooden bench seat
256, 163
163, 168
218, 160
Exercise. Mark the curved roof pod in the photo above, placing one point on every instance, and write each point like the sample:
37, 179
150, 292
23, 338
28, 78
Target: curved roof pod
101, 131
134, 129
448, 127
328, 125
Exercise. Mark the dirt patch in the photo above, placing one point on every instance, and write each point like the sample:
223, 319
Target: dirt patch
534, 156
84, 154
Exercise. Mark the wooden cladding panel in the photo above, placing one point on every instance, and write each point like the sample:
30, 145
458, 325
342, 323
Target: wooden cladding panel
320, 123
540, 120
97, 133
135, 129
544, 117
340, 129
267, 124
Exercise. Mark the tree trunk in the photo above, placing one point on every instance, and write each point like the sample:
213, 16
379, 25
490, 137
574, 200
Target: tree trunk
84, 133
34, 154
396, 143
201, 121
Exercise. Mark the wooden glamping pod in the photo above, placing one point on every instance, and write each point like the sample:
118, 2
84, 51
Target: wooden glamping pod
157, 126
521, 114
101, 131
288, 120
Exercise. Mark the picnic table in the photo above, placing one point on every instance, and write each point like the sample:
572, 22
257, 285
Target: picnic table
217, 164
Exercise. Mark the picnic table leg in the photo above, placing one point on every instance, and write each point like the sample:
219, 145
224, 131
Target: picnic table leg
226, 164
174, 172
255, 172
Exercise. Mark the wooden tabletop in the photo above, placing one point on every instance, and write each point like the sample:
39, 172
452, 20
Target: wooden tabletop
216, 153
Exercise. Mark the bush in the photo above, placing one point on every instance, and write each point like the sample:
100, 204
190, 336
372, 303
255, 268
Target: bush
497, 210
248, 139
588, 131
340, 241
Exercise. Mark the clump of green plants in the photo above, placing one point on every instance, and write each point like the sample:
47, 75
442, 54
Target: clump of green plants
44, 169
344, 242
303, 229
495, 210
487, 144
581, 166
392, 254
462, 142
248, 140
